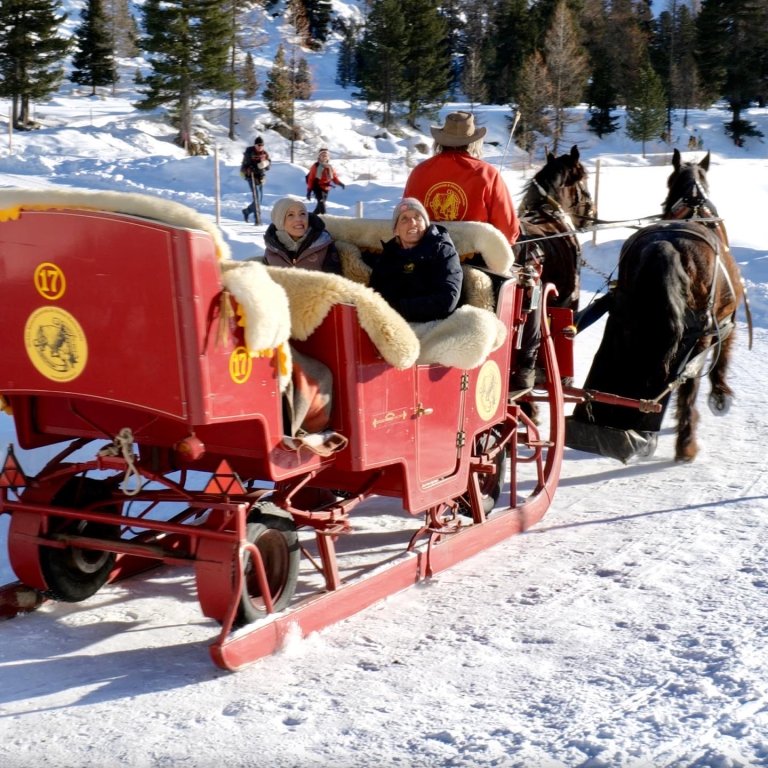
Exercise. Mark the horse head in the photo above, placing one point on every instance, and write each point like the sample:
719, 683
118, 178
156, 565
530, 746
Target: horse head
562, 182
688, 189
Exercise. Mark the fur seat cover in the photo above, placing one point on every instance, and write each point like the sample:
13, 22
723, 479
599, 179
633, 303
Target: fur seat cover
13, 201
462, 340
469, 237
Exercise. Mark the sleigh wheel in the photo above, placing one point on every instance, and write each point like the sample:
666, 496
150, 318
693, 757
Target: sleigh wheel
490, 483
275, 538
73, 573
536, 455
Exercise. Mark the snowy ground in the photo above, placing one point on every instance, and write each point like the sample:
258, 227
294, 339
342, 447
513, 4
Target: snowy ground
629, 628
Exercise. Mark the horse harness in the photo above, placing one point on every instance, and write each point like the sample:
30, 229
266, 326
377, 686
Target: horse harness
702, 324
551, 212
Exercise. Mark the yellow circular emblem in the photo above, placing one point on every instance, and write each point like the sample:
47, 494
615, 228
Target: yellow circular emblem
488, 391
50, 281
446, 201
56, 344
240, 365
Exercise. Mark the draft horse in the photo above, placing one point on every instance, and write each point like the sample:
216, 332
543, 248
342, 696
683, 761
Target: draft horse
555, 202
671, 313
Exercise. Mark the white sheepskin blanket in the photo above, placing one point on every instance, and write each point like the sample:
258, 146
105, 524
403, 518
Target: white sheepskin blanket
263, 302
13, 201
469, 237
463, 340
312, 294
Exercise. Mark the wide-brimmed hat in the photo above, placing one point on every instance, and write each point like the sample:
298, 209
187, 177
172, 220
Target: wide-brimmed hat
458, 131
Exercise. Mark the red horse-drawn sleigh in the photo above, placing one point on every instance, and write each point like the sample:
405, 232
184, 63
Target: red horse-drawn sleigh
159, 378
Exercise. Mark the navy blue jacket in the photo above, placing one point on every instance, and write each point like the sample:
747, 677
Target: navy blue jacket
422, 283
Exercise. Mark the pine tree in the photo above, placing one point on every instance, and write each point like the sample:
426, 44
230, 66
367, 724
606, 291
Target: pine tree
473, 70
601, 94
646, 107
233, 11
303, 81
473, 78
278, 92
732, 55
123, 27
31, 54
346, 63
567, 67
93, 63
382, 58
625, 44
532, 104
249, 77
188, 43
455, 14
427, 62
510, 42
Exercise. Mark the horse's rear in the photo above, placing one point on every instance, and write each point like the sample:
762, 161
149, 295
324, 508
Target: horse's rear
675, 301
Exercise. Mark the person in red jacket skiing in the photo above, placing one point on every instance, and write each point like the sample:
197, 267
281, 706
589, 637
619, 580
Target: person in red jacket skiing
320, 178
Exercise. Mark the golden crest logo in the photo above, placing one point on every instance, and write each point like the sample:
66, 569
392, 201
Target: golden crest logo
240, 365
56, 344
50, 281
488, 392
446, 201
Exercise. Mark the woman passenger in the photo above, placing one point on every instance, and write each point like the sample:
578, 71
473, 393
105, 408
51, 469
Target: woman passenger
297, 238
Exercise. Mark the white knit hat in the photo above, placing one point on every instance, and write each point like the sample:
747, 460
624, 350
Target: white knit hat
280, 210
409, 204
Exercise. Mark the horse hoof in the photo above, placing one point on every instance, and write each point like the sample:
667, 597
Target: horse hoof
720, 404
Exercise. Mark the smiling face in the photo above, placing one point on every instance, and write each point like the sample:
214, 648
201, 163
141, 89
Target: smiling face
410, 228
296, 221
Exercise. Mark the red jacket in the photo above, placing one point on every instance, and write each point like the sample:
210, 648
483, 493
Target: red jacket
454, 186
325, 179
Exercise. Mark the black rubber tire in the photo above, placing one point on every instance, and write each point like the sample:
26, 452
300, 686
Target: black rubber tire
73, 574
274, 535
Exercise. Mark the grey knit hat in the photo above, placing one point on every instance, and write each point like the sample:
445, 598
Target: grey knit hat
280, 209
409, 204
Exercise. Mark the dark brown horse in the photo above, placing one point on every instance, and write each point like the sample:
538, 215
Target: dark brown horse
555, 197
671, 319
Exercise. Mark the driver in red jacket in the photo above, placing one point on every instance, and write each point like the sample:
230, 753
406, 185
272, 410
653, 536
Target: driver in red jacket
456, 184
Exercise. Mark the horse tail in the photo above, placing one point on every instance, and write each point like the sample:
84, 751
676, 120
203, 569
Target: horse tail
661, 291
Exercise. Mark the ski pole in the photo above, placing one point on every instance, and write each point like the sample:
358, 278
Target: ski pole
511, 134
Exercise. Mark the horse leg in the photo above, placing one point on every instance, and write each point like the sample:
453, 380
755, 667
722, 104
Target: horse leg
687, 420
721, 396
